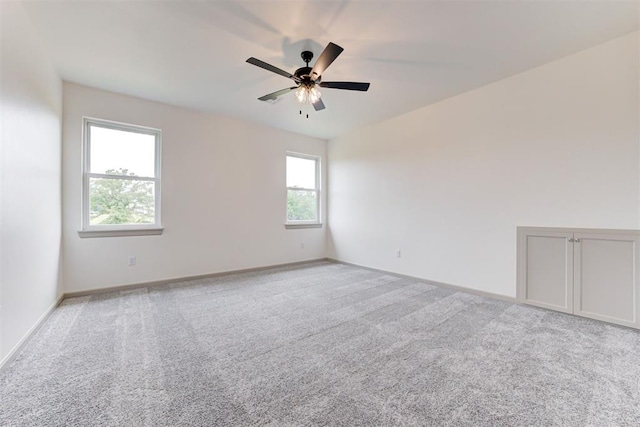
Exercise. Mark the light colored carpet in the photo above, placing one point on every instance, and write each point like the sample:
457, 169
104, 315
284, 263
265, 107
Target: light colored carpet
321, 344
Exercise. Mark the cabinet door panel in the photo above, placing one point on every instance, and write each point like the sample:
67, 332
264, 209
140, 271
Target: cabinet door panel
606, 286
547, 274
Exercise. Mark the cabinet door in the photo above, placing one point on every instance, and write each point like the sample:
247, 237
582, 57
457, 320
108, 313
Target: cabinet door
606, 282
545, 269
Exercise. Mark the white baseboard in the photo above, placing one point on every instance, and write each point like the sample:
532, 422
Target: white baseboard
97, 291
16, 349
431, 282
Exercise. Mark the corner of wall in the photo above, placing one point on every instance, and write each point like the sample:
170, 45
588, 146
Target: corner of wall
30, 210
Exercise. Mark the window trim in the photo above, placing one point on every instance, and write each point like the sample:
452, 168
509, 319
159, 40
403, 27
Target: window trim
292, 224
88, 230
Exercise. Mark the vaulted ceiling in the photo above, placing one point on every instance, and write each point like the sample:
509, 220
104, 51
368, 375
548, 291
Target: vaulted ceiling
192, 53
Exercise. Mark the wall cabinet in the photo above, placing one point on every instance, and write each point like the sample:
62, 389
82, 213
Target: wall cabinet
590, 273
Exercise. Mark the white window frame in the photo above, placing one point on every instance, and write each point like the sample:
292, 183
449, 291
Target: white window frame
108, 230
317, 190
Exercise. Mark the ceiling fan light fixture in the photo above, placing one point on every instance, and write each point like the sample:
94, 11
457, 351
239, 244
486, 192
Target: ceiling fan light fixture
314, 95
301, 94
307, 94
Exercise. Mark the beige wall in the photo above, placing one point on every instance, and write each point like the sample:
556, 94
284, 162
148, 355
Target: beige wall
448, 184
30, 201
223, 196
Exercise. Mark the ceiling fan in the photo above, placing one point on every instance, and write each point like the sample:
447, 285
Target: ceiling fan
308, 79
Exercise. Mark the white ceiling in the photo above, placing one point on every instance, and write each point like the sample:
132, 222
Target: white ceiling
192, 54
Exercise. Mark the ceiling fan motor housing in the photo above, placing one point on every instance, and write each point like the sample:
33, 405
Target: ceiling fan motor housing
304, 74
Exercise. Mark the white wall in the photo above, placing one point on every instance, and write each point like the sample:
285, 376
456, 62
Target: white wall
448, 184
30, 200
223, 200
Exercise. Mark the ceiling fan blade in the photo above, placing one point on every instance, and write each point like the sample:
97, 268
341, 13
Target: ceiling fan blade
328, 55
274, 95
318, 105
272, 68
346, 85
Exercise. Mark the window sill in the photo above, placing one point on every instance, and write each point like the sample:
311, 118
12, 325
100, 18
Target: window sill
120, 233
296, 226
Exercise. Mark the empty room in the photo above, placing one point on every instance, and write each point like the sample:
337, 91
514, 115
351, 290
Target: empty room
340, 212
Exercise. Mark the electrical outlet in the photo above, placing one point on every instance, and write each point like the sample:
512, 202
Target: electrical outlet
398, 254
132, 261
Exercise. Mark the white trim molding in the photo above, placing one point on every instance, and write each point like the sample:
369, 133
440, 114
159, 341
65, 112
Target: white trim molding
120, 233
294, 226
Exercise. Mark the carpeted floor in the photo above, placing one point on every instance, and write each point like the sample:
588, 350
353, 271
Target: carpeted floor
321, 344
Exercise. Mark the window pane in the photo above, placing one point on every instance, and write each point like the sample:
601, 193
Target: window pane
120, 152
301, 173
121, 201
302, 205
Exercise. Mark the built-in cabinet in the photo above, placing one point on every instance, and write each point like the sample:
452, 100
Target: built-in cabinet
590, 273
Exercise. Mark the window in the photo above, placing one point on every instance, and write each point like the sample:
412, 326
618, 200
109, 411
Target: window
303, 190
121, 178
